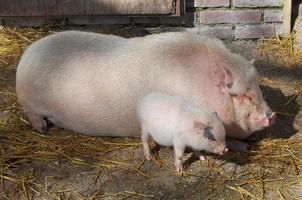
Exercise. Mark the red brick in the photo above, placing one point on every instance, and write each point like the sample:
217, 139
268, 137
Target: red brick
223, 32
230, 16
211, 3
257, 3
255, 31
273, 16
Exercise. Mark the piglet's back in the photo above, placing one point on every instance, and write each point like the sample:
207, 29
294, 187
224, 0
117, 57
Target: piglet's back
157, 109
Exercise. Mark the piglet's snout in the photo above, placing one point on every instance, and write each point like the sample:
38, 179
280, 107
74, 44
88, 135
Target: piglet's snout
272, 117
269, 119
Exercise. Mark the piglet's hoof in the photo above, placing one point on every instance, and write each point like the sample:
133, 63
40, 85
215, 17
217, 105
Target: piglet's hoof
202, 157
199, 155
237, 146
148, 157
178, 168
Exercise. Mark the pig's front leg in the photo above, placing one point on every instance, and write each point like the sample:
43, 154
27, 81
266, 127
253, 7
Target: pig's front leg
37, 121
179, 149
236, 145
145, 141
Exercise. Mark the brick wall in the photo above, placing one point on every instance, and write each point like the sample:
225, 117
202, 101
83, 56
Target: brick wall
239, 18
228, 19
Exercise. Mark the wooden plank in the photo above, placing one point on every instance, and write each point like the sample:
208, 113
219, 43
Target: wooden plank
129, 7
287, 11
20, 7
87, 7
62, 7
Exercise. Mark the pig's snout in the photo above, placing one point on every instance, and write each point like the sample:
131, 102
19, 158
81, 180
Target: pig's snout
221, 150
270, 118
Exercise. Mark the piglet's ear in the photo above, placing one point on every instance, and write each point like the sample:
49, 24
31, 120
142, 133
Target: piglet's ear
198, 126
208, 133
222, 76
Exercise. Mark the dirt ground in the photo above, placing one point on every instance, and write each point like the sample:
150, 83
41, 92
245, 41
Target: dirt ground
235, 176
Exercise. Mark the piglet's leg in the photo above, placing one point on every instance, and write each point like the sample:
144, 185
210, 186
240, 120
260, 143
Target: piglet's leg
145, 141
236, 145
179, 149
199, 155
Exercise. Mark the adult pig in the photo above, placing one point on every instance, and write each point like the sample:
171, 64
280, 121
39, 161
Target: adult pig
90, 83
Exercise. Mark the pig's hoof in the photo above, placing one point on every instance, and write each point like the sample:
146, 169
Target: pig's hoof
202, 157
148, 157
40, 126
38, 122
178, 168
199, 155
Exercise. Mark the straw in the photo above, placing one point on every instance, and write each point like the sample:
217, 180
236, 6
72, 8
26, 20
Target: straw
281, 50
273, 165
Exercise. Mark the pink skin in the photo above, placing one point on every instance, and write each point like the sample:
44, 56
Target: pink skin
260, 114
233, 72
53, 81
251, 104
172, 121
244, 88
179, 148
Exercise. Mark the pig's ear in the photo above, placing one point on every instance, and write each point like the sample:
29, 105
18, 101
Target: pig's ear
222, 76
198, 126
252, 61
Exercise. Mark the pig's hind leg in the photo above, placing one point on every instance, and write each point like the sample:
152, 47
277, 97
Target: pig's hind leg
145, 141
37, 121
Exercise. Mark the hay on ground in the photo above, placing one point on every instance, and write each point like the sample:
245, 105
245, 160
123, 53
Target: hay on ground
278, 161
281, 50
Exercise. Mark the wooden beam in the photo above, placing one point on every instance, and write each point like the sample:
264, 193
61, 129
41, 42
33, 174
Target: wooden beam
287, 15
55, 8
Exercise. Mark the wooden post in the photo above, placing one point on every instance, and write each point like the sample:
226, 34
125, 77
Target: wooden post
287, 14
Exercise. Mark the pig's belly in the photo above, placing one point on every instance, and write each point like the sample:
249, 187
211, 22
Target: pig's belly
92, 108
99, 120
163, 138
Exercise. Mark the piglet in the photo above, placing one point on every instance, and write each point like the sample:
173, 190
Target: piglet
173, 121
